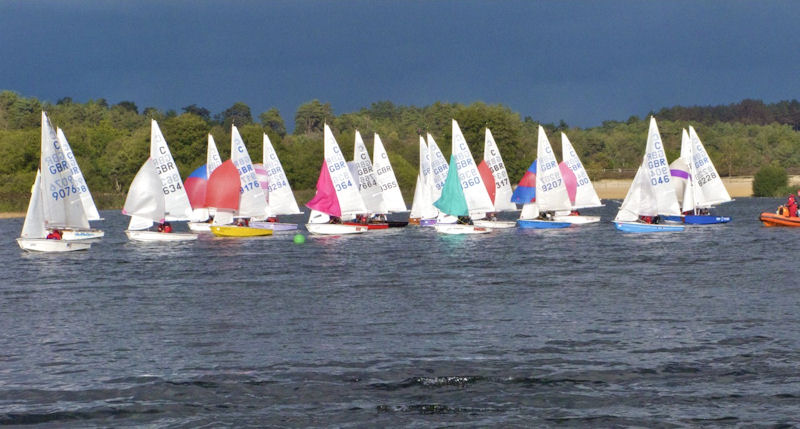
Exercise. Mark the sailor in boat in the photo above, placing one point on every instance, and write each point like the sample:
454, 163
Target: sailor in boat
791, 204
54, 235
272, 219
464, 220
242, 222
335, 219
379, 218
491, 216
650, 219
165, 227
546, 215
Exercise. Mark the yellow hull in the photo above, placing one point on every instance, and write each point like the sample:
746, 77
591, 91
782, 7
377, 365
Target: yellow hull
238, 231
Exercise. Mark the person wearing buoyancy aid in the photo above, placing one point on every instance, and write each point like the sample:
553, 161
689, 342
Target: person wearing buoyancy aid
791, 204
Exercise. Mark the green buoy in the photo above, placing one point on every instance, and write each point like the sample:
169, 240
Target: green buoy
299, 239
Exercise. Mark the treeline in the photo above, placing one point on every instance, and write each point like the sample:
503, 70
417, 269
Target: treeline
112, 141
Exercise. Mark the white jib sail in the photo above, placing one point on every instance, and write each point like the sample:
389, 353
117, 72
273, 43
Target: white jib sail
177, 202
422, 207
478, 199
346, 187
77, 178
585, 195
640, 199
706, 176
551, 191
657, 169
503, 191
252, 198
439, 168
34, 218
281, 197
61, 202
392, 197
367, 181
145, 202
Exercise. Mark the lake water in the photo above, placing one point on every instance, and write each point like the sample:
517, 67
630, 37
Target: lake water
580, 327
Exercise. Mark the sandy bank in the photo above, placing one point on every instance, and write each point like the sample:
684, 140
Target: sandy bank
739, 186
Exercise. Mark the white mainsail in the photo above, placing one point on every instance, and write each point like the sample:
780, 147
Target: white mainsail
281, 197
252, 198
682, 175
422, 207
177, 202
145, 202
77, 178
658, 174
478, 200
367, 181
61, 204
346, 187
439, 168
213, 160
551, 191
585, 195
706, 176
392, 197
503, 191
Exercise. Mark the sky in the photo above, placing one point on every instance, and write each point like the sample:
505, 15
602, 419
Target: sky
578, 61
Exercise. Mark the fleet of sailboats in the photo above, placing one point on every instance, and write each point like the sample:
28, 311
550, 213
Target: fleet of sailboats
457, 197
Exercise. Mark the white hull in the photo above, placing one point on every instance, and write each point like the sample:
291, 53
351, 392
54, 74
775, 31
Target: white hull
455, 228
45, 245
159, 236
199, 226
577, 220
495, 224
81, 234
334, 229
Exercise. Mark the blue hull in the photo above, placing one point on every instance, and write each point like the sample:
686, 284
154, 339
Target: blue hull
705, 220
646, 227
674, 219
542, 224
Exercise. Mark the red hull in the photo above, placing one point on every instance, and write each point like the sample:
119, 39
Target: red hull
370, 226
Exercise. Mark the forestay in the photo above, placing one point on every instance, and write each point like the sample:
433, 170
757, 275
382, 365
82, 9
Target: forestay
78, 180
491, 155
252, 198
281, 197
585, 195
392, 197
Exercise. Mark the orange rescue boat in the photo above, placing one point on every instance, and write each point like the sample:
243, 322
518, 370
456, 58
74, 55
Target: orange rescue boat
774, 219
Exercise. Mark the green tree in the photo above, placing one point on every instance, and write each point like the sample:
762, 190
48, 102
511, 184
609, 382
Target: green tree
770, 181
272, 121
311, 117
238, 114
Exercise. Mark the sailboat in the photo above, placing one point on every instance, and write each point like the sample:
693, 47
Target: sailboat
697, 183
79, 183
368, 187
550, 190
54, 203
196, 185
495, 178
579, 187
279, 194
252, 198
464, 194
337, 194
651, 194
146, 194
422, 209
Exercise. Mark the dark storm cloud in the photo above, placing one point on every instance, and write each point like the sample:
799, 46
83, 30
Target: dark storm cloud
581, 61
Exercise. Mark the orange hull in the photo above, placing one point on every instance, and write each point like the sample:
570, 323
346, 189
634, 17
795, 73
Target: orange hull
774, 219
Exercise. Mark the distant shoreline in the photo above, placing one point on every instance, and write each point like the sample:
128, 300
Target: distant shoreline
614, 189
